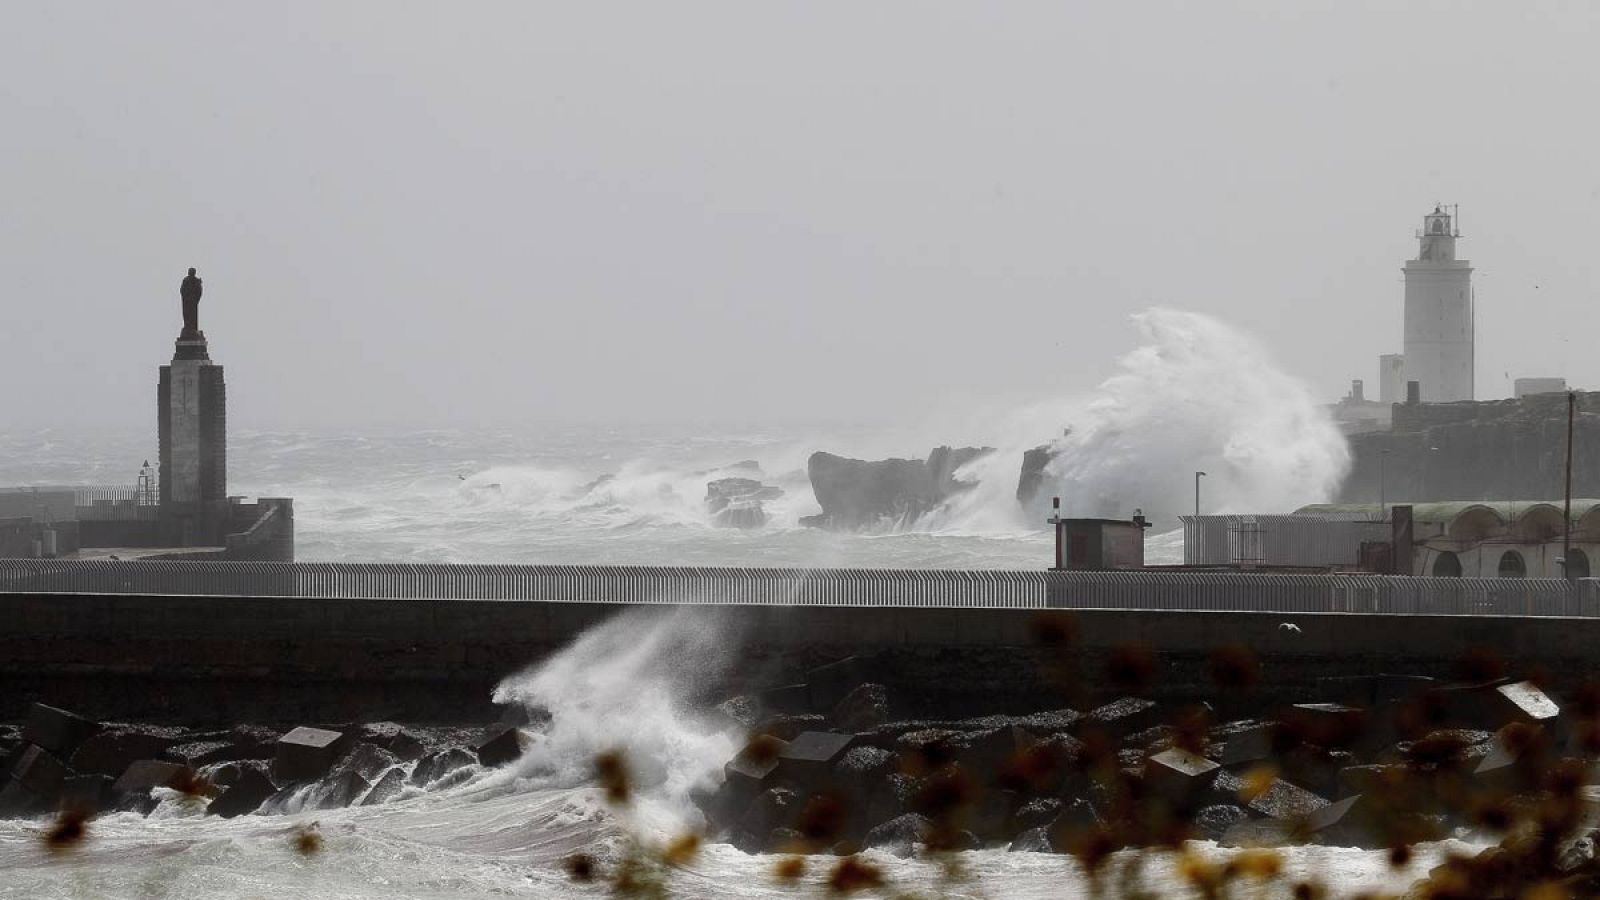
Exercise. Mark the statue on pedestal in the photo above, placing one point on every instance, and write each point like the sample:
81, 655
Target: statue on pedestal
189, 291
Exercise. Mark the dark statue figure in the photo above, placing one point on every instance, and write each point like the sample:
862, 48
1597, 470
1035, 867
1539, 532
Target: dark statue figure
190, 292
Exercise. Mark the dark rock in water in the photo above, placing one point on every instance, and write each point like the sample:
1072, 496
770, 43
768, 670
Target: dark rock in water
115, 747
861, 769
1277, 799
786, 840
1037, 813
1078, 820
227, 773
1123, 717
57, 731
899, 835
776, 807
786, 727
202, 753
499, 746
407, 746
1031, 480
148, 774
16, 800
367, 760
386, 788
856, 493
740, 514
306, 754
244, 796
86, 793
435, 766
40, 772
1033, 840
724, 491
343, 789
894, 796
1212, 822
737, 502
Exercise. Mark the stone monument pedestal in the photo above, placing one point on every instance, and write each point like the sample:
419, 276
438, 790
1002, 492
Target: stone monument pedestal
192, 406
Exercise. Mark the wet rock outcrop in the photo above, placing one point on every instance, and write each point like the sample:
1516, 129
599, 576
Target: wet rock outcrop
856, 493
736, 501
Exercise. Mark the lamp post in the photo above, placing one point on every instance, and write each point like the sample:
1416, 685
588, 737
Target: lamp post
1197, 477
1566, 510
1383, 485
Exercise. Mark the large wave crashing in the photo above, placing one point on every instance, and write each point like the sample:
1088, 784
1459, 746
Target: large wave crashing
1197, 396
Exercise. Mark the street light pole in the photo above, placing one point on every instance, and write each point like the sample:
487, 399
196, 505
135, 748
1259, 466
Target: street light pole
1566, 511
1197, 477
1383, 485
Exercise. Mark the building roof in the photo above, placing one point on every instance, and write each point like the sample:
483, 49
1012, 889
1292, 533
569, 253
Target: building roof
1445, 510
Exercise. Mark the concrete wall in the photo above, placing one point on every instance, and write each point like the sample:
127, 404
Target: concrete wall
285, 659
1486, 450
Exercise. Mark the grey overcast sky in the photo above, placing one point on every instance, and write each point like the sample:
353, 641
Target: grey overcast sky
519, 213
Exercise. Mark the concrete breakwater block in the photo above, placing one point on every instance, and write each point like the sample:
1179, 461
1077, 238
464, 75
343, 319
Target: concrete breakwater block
343, 789
386, 788
500, 746
306, 754
808, 758
435, 766
56, 730
1178, 775
86, 793
407, 746
248, 791
115, 747
1330, 725
147, 774
368, 760
1249, 744
40, 772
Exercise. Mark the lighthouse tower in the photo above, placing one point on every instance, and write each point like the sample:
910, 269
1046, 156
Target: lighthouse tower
1438, 314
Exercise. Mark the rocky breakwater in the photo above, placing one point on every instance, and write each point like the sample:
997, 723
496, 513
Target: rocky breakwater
862, 494
60, 762
1379, 762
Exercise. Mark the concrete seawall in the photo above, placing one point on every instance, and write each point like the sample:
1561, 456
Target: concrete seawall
195, 659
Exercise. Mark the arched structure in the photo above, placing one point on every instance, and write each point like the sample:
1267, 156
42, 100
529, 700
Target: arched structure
1577, 564
1448, 565
1537, 524
1512, 565
1475, 523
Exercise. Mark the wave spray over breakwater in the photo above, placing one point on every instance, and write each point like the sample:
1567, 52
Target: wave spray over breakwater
1197, 395
629, 685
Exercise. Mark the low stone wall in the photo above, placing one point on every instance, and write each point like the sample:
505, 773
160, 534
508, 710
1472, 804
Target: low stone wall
196, 659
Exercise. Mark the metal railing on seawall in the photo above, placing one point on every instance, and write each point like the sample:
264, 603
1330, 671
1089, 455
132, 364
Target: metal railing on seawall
813, 587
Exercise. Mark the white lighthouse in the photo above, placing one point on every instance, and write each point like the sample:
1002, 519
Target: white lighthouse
1439, 330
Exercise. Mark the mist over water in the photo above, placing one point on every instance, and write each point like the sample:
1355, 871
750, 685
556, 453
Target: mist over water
1196, 394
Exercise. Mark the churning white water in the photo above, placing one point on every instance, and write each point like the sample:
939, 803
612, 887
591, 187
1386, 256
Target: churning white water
1195, 395
506, 833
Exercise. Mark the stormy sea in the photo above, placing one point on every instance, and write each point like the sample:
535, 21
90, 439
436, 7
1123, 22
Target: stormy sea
1195, 395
